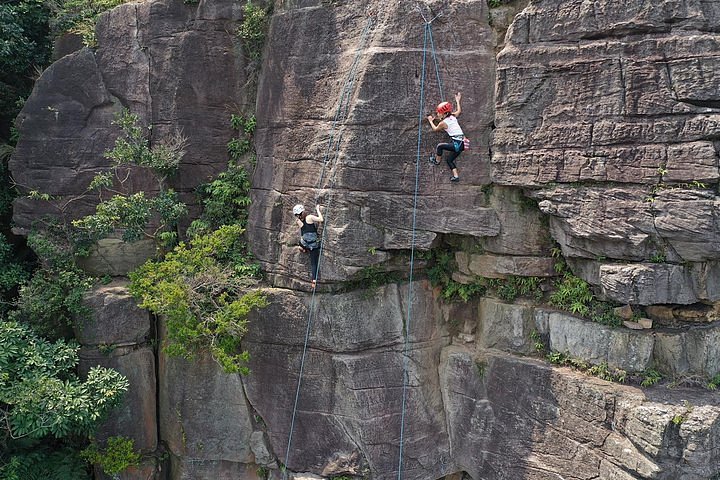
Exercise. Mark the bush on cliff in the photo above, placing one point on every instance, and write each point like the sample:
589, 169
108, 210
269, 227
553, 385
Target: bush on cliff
45, 406
204, 292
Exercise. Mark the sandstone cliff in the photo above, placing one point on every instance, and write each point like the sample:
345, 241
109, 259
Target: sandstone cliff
604, 113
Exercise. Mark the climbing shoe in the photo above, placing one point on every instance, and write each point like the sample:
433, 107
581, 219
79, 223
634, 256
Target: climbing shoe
432, 160
454, 179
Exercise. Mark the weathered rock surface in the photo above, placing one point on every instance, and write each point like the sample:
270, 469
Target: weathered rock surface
116, 319
622, 98
205, 419
116, 335
522, 419
508, 327
352, 384
136, 417
178, 66
373, 175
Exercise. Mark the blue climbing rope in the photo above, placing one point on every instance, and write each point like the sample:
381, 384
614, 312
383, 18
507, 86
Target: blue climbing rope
406, 346
343, 107
341, 114
437, 70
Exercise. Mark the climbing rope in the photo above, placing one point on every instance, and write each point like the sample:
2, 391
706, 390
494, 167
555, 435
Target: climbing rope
341, 115
427, 37
343, 107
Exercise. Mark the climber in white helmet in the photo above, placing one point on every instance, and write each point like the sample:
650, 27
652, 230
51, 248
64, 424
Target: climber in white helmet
309, 241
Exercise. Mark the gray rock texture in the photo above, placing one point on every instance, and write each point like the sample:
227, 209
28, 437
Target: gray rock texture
371, 162
178, 66
116, 319
609, 111
596, 124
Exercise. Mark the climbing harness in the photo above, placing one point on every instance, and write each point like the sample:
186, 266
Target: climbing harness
333, 148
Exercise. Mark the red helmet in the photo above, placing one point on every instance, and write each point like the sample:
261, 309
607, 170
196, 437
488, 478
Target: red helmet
444, 107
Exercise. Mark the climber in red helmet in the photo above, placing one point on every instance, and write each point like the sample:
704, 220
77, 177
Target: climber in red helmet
448, 122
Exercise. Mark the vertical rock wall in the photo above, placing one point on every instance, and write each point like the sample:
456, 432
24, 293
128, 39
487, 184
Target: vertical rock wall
608, 111
605, 113
370, 163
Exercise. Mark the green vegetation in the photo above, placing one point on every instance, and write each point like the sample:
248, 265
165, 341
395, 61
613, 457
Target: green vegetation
52, 298
650, 377
658, 257
43, 462
681, 417
225, 200
713, 383
512, 287
253, 29
25, 48
79, 17
118, 455
481, 367
601, 370
204, 292
371, 278
242, 144
538, 342
441, 265
132, 212
574, 295
45, 405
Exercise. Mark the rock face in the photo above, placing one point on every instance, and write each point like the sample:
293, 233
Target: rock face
616, 103
595, 126
368, 158
177, 66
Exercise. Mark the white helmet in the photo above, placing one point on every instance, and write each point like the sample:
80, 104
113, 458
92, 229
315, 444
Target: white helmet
298, 209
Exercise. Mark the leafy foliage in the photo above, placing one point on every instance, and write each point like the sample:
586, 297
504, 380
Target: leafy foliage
43, 463
40, 394
574, 295
371, 278
13, 273
79, 16
25, 46
512, 287
714, 382
224, 200
54, 294
204, 292
601, 370
650, 377
118, 455
253, 29
133, 212
242, 144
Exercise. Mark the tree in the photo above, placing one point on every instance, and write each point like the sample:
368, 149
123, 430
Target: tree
42, 400
24, 47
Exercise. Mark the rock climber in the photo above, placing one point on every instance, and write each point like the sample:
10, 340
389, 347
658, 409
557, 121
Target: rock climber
309, 241
448, 122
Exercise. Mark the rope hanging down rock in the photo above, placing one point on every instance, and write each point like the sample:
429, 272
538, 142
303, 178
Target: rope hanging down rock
427, 38
331, 157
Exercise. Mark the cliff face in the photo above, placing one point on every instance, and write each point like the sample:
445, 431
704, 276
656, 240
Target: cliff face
604, 113
368, 155
609, 112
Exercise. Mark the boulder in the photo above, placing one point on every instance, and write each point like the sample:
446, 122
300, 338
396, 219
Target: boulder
595, 343
174, 64
503, 266
115, 318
